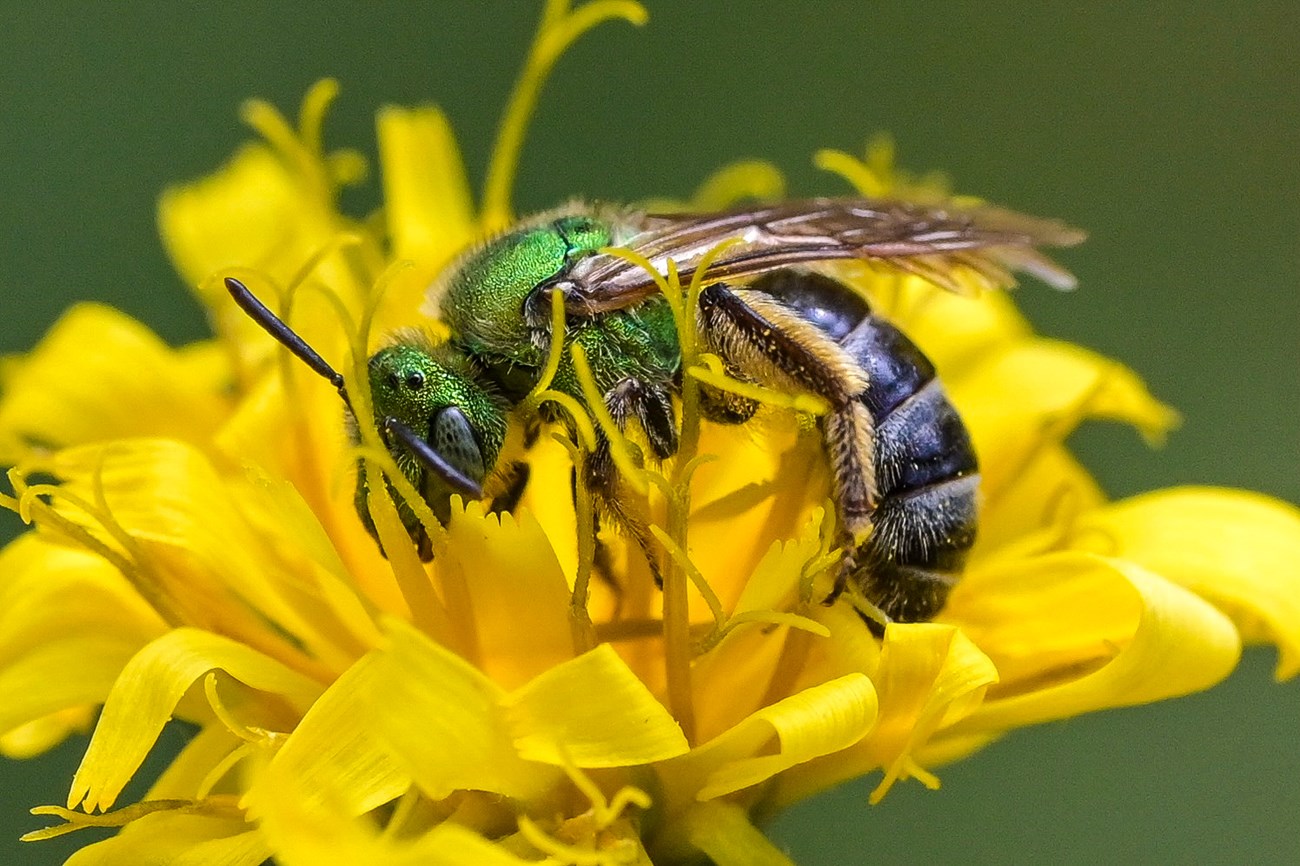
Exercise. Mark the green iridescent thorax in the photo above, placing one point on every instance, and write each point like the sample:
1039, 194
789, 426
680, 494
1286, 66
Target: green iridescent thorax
483, 302
639, 342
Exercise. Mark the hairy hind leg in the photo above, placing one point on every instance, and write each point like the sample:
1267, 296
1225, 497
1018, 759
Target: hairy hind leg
767, 342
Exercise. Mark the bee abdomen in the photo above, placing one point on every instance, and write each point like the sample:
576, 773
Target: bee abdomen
926, 478
926, 474
918, 548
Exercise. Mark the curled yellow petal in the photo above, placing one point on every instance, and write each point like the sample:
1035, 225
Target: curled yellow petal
819, 720
1077, 632
592, 711
145, 696
1240, 551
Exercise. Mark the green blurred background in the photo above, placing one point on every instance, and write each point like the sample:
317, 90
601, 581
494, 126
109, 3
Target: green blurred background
1171, 131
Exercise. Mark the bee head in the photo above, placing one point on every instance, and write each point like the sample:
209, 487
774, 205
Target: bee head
436, 412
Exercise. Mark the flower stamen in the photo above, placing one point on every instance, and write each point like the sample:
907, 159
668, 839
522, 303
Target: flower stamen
560, 27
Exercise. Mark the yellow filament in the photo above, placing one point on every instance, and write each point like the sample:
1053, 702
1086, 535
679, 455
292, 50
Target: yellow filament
311, 115
559, 28
712, 375
215, 806
581, 418
222, 768
272, 126
679, 556
572, 854
618, 445
859, 175
553, 356
584, 636
223, 714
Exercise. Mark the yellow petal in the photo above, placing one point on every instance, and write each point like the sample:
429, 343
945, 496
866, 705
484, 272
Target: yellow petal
145, 696
1240, 551
819, 720
515, 590
1077, 632
197, 539
426, 194
100, 375
259, 220
40, 735
236, 217
51, 593
928, 675
731, 679
68, 674
68, 624
254, 212
171, 839
443, 720
1051, 489
333, 752
326, 844
1035, 393
954, 331
764, 488
321, 836
592, 711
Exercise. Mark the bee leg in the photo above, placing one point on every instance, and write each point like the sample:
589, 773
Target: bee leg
726, 407
615, 504
650, 403
601, 564
516, 482
769, 343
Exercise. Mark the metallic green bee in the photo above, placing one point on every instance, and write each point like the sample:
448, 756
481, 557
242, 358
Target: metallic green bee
904, 473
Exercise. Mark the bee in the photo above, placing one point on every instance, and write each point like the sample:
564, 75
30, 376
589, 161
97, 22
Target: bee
904, 475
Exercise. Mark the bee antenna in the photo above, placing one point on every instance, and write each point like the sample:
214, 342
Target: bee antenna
433, 461
273, 325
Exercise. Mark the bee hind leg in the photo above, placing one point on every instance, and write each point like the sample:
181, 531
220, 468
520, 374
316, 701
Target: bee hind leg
769, 342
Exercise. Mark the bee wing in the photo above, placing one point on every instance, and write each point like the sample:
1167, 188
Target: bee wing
934, 241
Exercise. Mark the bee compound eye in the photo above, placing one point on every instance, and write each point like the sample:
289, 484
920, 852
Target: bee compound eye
415, 380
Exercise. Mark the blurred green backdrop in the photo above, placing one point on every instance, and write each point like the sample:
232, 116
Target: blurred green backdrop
1170, 130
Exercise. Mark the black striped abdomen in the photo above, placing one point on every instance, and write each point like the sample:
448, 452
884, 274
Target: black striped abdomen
926, 473
926, 478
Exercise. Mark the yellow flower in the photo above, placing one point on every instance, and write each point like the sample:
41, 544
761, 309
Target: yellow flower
196, 555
